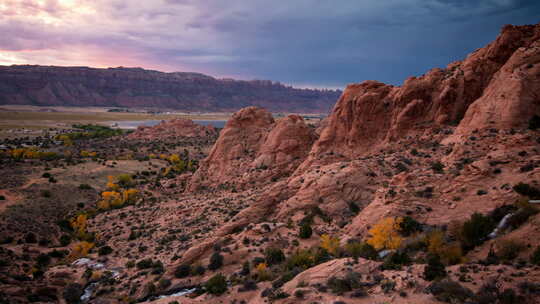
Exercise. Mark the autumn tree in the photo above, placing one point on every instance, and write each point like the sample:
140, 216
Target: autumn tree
330, 244
385, 234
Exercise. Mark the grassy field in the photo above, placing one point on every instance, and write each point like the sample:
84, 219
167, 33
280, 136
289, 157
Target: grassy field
35, 119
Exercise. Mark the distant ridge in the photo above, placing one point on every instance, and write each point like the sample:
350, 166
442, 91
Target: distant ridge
137, 87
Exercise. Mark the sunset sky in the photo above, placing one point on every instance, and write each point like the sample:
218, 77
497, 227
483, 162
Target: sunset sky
309, 43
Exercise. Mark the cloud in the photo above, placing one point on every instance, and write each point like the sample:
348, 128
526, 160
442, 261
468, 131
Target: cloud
303, 42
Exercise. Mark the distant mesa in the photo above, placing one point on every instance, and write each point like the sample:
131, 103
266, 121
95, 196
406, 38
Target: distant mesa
136, 87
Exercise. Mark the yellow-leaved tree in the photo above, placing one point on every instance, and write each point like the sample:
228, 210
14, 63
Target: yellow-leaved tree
129, 195
262, 272
111, 184
385, 234
80, 249
110, 199
78, 223
331, 244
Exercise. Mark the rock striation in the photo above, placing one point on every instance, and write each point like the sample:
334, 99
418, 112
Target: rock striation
136, 87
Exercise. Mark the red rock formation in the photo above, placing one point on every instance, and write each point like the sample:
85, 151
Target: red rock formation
254, 148
371, 114
135, 87
173, 128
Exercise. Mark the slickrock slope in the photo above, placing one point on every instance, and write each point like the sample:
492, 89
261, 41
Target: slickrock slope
136, 87
438, 149
173, 128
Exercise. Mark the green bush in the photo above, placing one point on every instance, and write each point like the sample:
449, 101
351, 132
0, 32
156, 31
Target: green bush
449, 291
305, 231
144, 264
361, 250
65, 239
434, 269
395, 260
72, 293
408, 226
85, 187
216, 285
475, 230
340, 285
216, 261
105, 250
182, 271
274, 256
527, 190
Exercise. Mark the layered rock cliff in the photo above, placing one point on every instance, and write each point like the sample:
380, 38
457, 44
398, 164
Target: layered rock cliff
135, 87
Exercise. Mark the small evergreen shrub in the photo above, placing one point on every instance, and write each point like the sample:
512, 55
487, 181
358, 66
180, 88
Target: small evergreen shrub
216, 285
434, 269
216, 261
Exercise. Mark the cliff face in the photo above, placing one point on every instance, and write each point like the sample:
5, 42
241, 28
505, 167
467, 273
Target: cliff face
500, 81
135, 87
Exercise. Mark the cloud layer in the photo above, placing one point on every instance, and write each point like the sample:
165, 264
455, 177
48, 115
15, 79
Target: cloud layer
301, 42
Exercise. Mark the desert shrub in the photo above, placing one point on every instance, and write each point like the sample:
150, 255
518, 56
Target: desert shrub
535, 256
434, 268
349, 282
248, 285
305, 231
385, 234
330, 244
164, 283
449, 253
498, 213
145, 264
408, 226
216, 285
534, 122
72, 293
182, 271
286, 277
475, 230
527, 190
302, 259
361, 250
353, 207
65, 239
198, 270
525, 211
508, 250
125, 180
43, 260
105, 250
449, 291
437, 167
30, 238
216, 261
85, 187
395, 260
274, 256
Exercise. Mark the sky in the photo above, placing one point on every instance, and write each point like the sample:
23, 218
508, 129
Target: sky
305, 43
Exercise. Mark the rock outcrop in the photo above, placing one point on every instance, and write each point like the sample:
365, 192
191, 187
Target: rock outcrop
173, 128
254, 148
136, 87
500, 79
